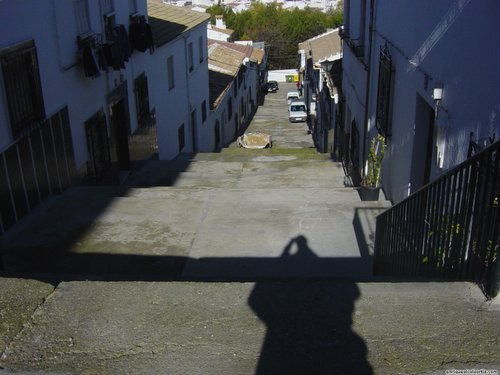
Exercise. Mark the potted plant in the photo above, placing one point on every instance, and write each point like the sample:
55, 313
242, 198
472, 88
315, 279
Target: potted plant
370, 184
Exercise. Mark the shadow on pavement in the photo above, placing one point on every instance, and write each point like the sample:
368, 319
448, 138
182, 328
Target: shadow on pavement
308, 324
308, 320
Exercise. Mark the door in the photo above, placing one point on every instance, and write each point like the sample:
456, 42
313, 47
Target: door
422, 153
120, 132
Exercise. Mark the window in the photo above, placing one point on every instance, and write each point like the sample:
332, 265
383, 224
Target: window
384, 94
97, 146
82, 20
190, 57
142, 100
204, 111
22, 87
200, 49
170, 72
180, 134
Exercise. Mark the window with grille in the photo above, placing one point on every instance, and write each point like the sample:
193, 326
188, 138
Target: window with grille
82, 19
170, 72
142, 100
384, 94
190, 57
96, 132
22, 87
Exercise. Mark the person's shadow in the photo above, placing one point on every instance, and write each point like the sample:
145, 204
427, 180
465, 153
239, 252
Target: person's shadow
308, 322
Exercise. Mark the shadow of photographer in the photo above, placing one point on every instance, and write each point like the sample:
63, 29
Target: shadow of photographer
308, 322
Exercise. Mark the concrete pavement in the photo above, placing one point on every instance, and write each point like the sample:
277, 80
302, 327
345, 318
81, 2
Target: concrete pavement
239, 262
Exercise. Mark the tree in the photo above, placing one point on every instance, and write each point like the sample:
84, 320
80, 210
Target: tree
281, 29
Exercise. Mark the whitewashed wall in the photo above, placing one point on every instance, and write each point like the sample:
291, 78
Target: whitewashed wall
49, 24
452, 43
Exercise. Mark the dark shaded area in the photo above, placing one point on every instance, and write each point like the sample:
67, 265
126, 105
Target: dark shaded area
308, 319
308, 324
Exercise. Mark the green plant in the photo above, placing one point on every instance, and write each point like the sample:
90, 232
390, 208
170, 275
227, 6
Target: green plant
375, 157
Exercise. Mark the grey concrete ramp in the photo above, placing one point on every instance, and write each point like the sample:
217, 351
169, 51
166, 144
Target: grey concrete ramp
268, 327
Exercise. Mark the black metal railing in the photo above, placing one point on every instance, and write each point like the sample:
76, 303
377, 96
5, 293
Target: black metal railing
449, 229
35, 166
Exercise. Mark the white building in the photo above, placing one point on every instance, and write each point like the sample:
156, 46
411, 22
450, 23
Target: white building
179, 84
219, 31
319, 57
234, 89
85, 91
425, 75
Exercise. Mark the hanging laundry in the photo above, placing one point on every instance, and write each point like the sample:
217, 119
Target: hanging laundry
89, 62
141, 36
123, 41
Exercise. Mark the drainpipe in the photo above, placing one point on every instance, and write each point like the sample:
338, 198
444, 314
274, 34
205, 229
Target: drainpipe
368, 85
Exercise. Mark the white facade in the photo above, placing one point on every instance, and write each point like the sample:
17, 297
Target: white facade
445, 45
50, 24
183, 104
237, 101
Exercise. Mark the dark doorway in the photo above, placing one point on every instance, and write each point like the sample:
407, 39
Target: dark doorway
120, 126
120, 130
422, 145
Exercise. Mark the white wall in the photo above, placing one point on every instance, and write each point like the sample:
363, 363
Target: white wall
280, 75
62, 80
450, 42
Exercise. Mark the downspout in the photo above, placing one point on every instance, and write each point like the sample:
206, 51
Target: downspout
368, 81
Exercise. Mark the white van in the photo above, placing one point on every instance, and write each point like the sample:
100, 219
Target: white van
297, 111
292, 95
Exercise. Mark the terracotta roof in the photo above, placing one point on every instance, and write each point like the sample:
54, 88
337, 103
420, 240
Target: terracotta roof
253, 54
168, 21
323, 47
223, 65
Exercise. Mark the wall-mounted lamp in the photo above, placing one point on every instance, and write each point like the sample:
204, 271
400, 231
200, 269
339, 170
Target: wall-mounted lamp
437, 93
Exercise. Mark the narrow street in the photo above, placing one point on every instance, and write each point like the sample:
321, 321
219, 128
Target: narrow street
238, 262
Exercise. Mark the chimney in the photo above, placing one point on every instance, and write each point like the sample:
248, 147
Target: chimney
219, 22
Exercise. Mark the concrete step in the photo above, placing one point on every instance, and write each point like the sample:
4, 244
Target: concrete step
264, 327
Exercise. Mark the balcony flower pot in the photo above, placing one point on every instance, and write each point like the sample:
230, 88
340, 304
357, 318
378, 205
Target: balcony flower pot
370, 184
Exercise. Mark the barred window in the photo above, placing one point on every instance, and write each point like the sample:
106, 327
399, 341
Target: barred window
82, 19
384, 94
22, 87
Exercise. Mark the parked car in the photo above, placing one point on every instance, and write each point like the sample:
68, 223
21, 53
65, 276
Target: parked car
272, 86
292, 95
297, 111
